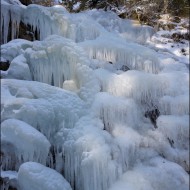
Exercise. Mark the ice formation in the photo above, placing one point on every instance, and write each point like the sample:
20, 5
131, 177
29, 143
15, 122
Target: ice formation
75, 101
19, 69
28, 144
123, 27
111, 49
147, 177
33, 175
11, 14
88, 163
32, 101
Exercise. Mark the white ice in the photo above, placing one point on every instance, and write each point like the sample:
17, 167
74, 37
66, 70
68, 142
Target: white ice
91, 110
28, 143
159, 174
32, 175
19, 69
11, 13
32, 101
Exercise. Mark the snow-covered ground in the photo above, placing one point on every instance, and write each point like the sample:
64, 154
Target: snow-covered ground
73, 103
179, 49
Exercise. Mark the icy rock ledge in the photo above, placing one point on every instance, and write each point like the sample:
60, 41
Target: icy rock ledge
34, 176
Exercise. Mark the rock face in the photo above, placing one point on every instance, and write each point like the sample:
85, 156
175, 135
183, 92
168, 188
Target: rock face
8, 184
178, 36
4, 65
8, 180
26, 2
153, 115
25, 32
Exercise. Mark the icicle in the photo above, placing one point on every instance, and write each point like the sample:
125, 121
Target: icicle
5, 20
59, 60
142, 87
115, 111
134, 56
88, 163
10, 17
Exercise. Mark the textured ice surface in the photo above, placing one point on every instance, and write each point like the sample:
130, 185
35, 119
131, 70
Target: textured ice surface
175, 105
46, 108
145, 177
176, 131
115, 50
103, 80
28, 143
14, 48
123, 27
56, 20
19, 69
88, 160
33, 175
112, 110
57, 60
11, 13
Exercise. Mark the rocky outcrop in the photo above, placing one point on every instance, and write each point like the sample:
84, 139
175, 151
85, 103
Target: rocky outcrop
26, 2
4, 65
25, 32
8, 183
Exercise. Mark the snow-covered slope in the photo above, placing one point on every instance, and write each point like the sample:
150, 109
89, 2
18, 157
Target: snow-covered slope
93, 101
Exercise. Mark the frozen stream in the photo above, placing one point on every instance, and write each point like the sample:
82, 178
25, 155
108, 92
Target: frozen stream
73, 104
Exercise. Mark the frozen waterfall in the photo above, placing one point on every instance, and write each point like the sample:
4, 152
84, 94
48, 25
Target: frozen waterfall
90, 105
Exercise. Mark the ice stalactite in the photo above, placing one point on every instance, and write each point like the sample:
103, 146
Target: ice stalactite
39, 18
56, 20
5, 19
88, 161
15, 22
142, 87
120, 117
28, 143
116, 111
134, 56
54, 59
10, 16
58, 60
89, 117
46, 21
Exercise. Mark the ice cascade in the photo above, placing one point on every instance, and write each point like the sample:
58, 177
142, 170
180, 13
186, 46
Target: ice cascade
91, 104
